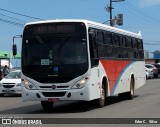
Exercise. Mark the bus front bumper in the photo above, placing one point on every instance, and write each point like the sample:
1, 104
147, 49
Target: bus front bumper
57, 95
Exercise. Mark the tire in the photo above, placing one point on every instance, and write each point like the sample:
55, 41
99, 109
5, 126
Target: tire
101, 101
130, 94
1, 95
47, 106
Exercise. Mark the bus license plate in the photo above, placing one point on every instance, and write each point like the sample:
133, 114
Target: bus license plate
53, 99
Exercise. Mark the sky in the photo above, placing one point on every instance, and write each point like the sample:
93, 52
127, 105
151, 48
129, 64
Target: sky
139, 15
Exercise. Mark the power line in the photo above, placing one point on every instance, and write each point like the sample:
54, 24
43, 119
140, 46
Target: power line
143, 13
151, 44
152, 40
157, 42
140, 12
11, 22
136, 13
13, 18
20, 14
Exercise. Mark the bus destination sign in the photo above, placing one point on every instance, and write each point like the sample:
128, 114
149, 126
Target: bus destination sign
54, 29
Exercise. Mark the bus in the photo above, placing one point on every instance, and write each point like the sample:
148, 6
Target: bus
71, 59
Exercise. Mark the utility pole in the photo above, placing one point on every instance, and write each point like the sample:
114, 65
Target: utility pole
110, 11
110, 8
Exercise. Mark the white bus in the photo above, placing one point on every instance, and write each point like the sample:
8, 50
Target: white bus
82, 60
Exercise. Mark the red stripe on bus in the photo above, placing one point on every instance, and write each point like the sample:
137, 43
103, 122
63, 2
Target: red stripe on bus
113, 69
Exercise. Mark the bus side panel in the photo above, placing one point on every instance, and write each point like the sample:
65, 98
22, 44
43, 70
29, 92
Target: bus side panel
113, 70
140, 74
119, 74
136, 69
94, 82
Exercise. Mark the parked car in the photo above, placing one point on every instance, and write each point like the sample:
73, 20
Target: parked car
153, 68
149, 73
158, 67
11, 84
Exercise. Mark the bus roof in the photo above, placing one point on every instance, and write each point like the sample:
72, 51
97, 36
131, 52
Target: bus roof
92, 24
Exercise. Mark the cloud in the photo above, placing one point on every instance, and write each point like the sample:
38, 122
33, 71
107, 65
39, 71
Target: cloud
148, 3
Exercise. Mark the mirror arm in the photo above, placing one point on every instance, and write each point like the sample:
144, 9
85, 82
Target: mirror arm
17, 36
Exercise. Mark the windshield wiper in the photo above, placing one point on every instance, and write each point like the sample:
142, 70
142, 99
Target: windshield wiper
42, 42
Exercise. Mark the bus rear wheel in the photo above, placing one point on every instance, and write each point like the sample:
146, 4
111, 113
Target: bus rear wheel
130, 94
47, 106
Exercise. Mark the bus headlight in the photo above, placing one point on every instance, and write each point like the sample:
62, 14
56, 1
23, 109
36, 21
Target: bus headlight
28, 85
81, 83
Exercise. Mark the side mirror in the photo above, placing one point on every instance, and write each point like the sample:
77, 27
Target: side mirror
14, 49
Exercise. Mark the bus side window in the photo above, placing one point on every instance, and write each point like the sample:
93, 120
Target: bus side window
108, 45
117, 49
140, 44
108, 38
122, 41
134, 43
99, 37
93, 49
91, 46
141, 54
122, 47
116, 40
129, 48
128, 42
140, 48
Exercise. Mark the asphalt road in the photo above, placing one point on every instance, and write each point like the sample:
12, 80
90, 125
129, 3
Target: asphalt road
146, 104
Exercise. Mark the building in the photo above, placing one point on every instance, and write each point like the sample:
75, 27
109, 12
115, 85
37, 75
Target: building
5, 57
146, 54
156, 54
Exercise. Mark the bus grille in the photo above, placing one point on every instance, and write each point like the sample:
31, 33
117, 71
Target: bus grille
61, 87
8, 86
53, 94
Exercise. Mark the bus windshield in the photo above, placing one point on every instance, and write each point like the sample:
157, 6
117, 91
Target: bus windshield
54, 54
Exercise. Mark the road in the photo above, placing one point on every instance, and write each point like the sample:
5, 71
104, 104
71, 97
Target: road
146, 104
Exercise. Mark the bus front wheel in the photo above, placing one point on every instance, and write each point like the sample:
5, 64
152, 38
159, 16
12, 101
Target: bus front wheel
101, 101
47, 106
